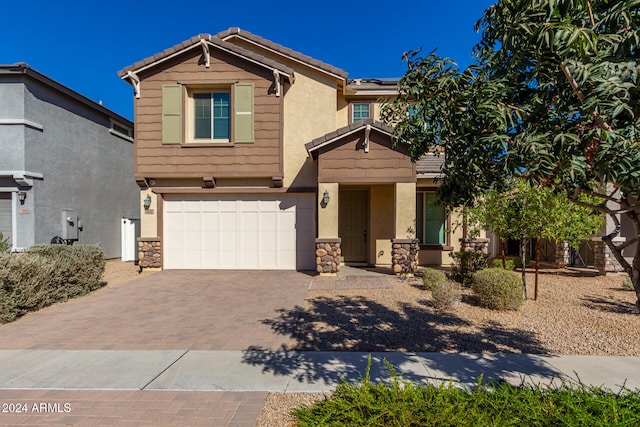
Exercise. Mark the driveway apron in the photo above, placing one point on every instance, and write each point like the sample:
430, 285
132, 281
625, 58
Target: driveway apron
169, 310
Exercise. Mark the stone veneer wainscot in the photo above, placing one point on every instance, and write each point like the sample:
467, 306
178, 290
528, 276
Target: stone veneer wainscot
149, 252
404, 256
328, 255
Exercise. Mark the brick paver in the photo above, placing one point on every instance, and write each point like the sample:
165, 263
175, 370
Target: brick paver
170, 310
129, 408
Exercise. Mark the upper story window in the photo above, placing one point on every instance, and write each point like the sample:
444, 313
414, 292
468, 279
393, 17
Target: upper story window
360, 111
121, 130
212, 121
211, 114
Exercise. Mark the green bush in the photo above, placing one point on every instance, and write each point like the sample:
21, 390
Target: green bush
431, 276
5, 245
403, 403
45, 275
626, 285
446, 295
465, 264
509, 263
498, 289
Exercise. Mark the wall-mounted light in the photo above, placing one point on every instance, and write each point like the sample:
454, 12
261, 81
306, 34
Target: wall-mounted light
22, 196
325, 198
147, 202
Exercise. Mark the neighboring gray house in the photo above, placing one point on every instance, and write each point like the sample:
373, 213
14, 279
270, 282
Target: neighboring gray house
66, 164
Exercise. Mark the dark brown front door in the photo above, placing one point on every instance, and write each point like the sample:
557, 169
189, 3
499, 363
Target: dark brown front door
352, 224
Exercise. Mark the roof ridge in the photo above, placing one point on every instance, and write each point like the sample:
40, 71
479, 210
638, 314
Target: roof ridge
236, 31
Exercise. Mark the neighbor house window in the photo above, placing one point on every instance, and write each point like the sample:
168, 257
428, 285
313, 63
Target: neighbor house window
431, 220
121, 130
360, 111
211, 116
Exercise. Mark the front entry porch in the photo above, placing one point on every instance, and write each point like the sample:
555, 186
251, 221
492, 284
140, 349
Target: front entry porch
366, 199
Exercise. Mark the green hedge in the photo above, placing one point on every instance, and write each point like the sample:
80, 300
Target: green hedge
431, 276
498, 289
45, 275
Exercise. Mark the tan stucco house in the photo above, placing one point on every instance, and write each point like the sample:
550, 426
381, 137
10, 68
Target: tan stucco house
250, 155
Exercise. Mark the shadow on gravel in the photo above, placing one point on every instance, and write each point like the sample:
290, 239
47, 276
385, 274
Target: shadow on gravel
357, 324
609, 305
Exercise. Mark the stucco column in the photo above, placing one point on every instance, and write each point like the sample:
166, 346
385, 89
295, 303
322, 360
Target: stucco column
405, 210
328, 213
327, 248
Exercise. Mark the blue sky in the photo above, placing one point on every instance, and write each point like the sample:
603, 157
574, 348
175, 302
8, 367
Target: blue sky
83, 44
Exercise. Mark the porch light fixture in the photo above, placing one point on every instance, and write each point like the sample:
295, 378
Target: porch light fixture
325, 198
22, 196
147, 202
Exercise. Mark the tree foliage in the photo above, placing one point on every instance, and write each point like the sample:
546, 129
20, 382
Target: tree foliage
553, 97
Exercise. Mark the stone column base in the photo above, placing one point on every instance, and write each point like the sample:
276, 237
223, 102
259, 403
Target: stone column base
604, 261
561, 256
478, 244
149, 252
404, 256
328, 256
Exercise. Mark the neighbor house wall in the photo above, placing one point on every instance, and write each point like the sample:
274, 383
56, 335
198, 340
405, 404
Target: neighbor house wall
84, 166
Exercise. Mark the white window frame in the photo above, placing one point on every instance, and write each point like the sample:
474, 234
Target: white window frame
190, 121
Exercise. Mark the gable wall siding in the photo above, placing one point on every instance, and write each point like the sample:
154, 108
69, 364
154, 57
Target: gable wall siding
309, 112
260, 158
348, 163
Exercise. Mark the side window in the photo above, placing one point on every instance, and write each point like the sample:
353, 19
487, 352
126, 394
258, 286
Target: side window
431, 220
360, 111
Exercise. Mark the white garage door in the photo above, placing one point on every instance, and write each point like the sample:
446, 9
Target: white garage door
5, 215
273, 232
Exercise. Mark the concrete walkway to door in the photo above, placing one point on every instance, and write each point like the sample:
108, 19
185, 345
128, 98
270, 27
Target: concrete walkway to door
169, 310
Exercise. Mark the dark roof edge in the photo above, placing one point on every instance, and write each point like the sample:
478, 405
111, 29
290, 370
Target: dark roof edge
285, 51
351, 128
219, 43
25, 69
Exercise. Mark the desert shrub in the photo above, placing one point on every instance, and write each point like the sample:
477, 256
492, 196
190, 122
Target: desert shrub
446, 295
47, 274
405, 403
627, 285
498, 289
5, 244
465, 264
509, 263
518, 262
431, 276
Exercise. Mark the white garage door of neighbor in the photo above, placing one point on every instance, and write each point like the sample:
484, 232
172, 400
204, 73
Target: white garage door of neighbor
271, 232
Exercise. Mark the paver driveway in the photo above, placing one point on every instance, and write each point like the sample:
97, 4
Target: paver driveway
175, 309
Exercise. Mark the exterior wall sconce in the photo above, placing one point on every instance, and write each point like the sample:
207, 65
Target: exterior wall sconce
147, 202
22, 196
325, 198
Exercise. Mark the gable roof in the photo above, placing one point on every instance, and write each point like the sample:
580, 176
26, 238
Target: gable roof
338, 134
217, 43
24, 69
284, 51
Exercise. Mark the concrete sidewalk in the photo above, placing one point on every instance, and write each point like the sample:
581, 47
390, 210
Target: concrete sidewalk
274, 371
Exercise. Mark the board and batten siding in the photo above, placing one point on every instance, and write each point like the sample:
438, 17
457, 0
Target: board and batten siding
255, 152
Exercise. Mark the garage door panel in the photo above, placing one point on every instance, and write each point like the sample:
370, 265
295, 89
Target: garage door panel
240, 232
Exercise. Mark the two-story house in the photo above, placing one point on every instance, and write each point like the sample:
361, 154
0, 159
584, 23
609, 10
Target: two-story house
250, 155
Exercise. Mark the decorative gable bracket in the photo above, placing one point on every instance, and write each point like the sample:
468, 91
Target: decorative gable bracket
367, 131
135, 82
206, 53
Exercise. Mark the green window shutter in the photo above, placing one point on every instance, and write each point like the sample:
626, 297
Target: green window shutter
243, 113
172, 114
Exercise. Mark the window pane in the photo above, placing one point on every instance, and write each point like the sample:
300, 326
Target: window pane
420, 217
221, 120
360, 112
202, 115
435, 217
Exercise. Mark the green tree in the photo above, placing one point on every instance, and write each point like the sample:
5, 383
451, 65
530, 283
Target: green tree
525, 212
553, 97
